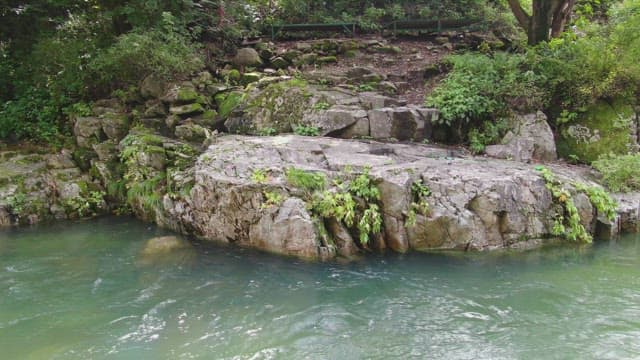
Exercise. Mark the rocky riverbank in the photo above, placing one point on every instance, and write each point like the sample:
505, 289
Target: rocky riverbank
226, 160
267, 193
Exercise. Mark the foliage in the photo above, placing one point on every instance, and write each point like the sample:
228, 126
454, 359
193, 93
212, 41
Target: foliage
306, 130
370, 222
576, 72
334, 204
354, 204
489, 134
17, 202
35, 115
366, 87
568, 223
144, 184
272, 199
85, 205
482, 87
363, 186
259, 175
321, 105
419, 204
164, 52
600, 199
267, 131
306, 180
620, 173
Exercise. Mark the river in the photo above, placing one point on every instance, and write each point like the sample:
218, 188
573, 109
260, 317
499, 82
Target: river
82, 290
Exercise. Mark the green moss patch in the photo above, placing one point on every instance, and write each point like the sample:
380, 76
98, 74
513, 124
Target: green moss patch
602, 129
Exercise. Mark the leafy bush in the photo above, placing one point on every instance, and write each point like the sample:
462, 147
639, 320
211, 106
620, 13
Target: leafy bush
490, 133
482, 87
32, 116
165, 52
625, 20
306, 130
620, 173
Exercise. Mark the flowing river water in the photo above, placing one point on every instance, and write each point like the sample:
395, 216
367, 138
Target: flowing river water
84, 291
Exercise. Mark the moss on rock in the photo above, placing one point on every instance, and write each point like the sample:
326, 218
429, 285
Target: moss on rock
604, 128
279, 106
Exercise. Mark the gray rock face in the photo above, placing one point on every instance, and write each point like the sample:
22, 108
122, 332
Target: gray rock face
475, 204
531, 138
336, 118
191, 132
88, 130
36, 187
152, 87
402, 123
333, 111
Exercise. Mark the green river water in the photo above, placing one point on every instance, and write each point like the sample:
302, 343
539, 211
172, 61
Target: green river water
83, 291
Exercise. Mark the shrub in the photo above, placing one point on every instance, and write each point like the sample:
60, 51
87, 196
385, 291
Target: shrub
490, 133
306, 180
32, 116
482, 87
165, 52
620, 173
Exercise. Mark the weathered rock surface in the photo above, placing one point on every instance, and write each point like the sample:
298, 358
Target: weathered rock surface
36, 187
333, 111
247, 57
530, 138
476, 204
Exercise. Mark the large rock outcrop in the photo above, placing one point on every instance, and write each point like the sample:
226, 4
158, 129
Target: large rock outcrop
243, 193
283, 106
37, 187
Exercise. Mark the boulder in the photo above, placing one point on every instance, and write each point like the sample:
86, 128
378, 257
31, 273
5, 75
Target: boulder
279, 62
115, 125
251, 77
191, 132
106, 151
87, 128
530, 138
154, 108
247, 57
163, 245
5, 217
334, 119
373, 101
152, 87
401, 123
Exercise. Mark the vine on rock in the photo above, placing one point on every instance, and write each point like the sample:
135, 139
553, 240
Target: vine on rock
568, 223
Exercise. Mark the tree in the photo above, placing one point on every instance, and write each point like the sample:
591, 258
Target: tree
548, 18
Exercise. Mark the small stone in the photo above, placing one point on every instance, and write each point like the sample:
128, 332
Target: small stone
191, 132
152, 87
251, 77
279, 62
189, 109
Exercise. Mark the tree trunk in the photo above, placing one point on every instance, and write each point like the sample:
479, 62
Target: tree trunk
539, 27
548, 18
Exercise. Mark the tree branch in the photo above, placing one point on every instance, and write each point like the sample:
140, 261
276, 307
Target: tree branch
523, 19
561, 15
